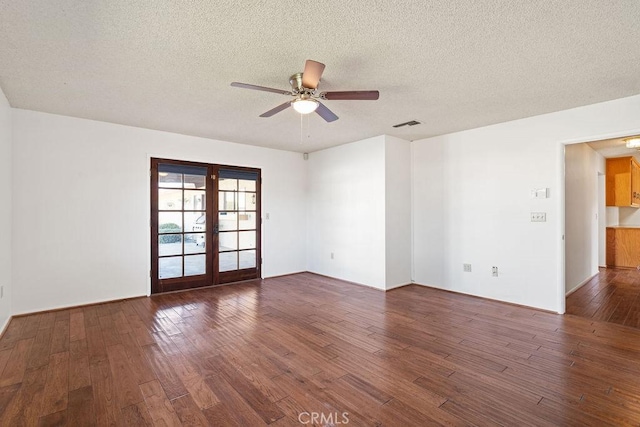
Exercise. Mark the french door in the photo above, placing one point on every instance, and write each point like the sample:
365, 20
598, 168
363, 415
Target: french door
205, 224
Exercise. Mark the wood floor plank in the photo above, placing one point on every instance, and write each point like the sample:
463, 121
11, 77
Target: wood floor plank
195, 357
25, 407
56, 390
121, 323
76, 326
60, 338
292, 411
557, 413
252, 369
159, 406
127, 392
378, 395
245, 388
13, 332
95, 344
187, 371
109, 332
470, 415
56, 419
136, 415
80, 408
143, 371
106, 409
189, 413
79, 372
31, 326
219, 415
4, 358
165, 373
7, 394
236, 404
302, 394
17, 364
412, 415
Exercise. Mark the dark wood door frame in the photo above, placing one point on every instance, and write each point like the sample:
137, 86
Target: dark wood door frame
212, 275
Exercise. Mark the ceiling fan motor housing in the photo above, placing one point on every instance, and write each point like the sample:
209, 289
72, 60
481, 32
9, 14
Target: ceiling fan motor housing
296, 82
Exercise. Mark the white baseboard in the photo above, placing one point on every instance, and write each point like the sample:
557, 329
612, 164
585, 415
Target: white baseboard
584, 282
399, 285
4, 327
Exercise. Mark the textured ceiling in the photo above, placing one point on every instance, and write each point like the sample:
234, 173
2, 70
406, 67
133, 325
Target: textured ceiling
614, 148
452, 65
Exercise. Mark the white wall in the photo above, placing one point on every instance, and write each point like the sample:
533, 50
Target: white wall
428, 212
346, 199
613, 216
81, 206
397, 212
5, 209
629, 217
360, 210
472, 203
582, 199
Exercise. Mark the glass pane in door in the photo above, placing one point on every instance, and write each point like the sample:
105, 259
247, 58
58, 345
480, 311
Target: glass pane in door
238, 202
246, 220
228, 261
247, 259
181, 218
247, 240
170, 267
194, 265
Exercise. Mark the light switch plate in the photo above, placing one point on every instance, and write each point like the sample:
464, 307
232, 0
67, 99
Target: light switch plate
540, 193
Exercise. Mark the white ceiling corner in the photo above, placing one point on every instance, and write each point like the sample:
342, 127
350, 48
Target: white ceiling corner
452, 65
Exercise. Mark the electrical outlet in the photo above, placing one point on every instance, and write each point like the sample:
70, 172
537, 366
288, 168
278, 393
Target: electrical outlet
538, 217
494, 271
466, 268
1, 291
331, 255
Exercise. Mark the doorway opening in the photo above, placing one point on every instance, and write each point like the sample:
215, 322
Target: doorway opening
602, 226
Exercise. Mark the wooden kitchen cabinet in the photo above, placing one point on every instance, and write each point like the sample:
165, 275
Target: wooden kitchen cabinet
623, 182
623, 247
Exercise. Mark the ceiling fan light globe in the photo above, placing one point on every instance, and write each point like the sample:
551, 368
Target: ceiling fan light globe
304, 106
633, 142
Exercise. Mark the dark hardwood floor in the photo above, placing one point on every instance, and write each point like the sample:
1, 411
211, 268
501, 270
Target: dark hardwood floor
611, 296
287, 349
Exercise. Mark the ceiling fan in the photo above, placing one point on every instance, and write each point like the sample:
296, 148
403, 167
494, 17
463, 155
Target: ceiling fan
304, 89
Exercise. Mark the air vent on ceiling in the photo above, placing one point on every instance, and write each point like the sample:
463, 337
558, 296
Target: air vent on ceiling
411, 123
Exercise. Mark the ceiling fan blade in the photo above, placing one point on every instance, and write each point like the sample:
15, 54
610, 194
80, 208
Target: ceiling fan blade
325, 113
360, 95
312, 73
276, 110
262, 88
